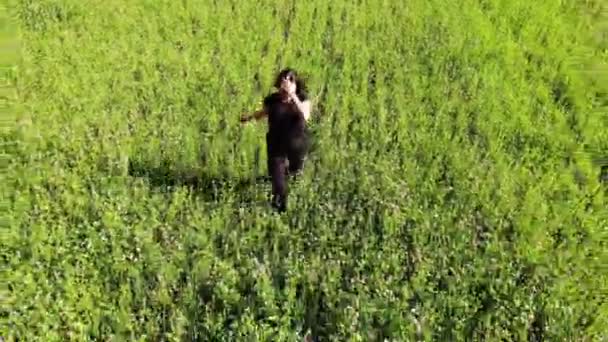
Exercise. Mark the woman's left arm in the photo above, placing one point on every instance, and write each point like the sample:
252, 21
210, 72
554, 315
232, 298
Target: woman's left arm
303, 106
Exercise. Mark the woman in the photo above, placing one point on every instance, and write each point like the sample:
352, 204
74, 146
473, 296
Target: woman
288, 110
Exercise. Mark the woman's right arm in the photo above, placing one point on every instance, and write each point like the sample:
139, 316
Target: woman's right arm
257, 115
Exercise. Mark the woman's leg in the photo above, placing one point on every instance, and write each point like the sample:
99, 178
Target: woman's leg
297, 154
279, 183
277, 173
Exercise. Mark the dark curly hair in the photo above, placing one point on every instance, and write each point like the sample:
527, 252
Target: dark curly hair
301, 89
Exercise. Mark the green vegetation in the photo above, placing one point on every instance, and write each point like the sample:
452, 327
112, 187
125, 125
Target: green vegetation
452, 192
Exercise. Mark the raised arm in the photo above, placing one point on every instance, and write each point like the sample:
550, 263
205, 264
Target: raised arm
304, 107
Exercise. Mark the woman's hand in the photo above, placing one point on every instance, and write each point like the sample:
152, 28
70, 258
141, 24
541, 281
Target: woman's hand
293, 97
245, 118
303, 107
256, 115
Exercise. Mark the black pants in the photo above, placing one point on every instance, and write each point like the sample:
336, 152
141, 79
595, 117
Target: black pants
281, 150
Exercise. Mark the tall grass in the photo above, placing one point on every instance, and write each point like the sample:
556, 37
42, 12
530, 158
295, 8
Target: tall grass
452, 191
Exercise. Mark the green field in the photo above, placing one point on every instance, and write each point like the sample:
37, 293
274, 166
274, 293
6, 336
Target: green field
453, 190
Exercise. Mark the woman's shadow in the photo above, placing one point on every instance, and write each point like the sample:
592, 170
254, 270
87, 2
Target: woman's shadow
209, 188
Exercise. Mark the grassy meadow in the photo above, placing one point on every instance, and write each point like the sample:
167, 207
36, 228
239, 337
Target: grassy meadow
453, 190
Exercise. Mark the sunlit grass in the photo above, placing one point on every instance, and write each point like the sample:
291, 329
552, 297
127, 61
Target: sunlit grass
452, 189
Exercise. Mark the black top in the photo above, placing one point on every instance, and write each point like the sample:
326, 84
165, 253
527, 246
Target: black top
284, 119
